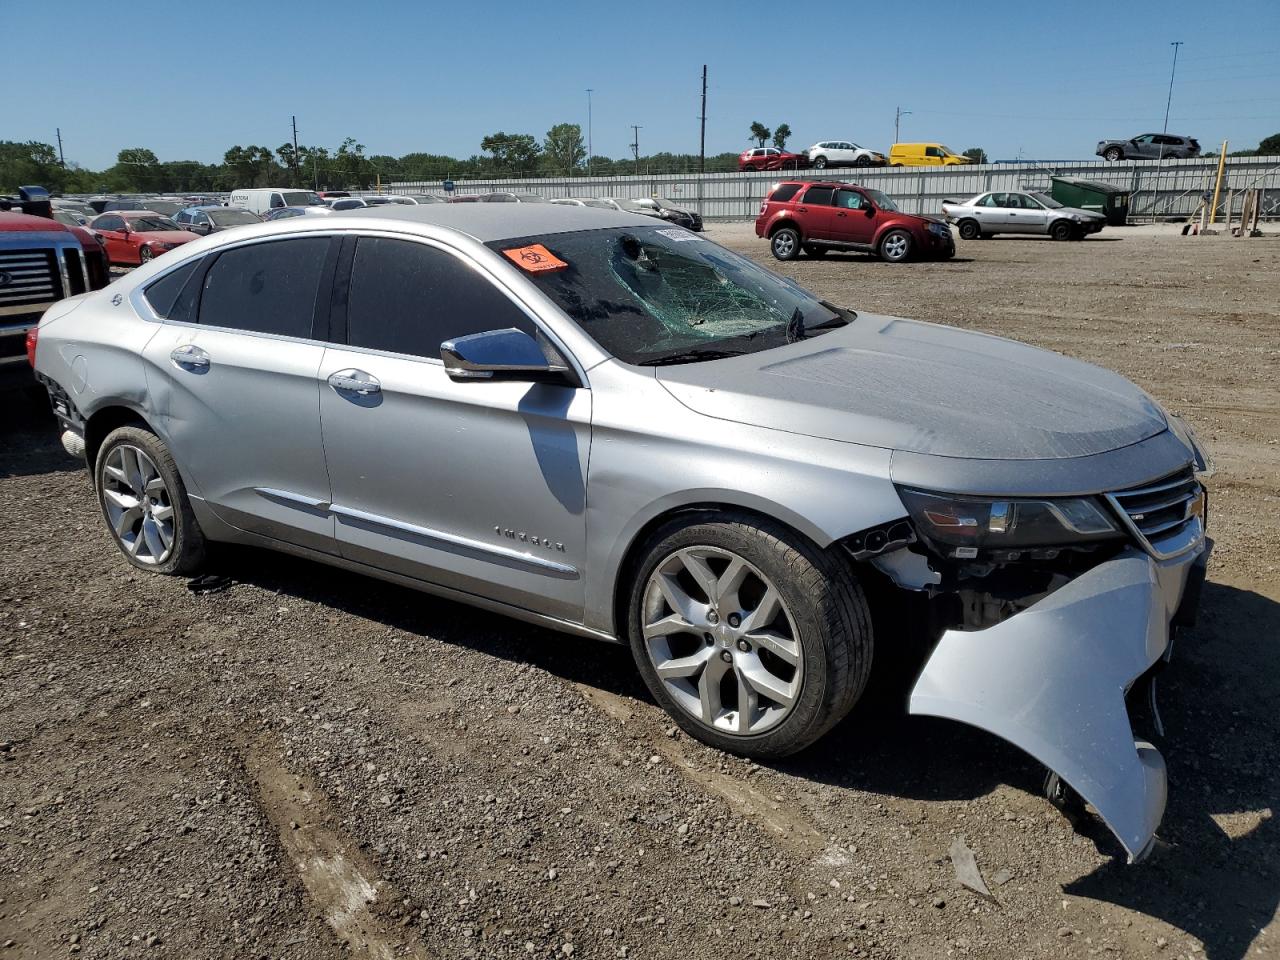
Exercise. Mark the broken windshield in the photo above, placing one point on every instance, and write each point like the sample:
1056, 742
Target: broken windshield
653, 294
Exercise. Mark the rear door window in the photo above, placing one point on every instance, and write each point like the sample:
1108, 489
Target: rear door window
785, 192
265, 287
409, 298
820, 196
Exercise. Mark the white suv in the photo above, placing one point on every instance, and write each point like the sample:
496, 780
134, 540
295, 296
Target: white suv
843, 153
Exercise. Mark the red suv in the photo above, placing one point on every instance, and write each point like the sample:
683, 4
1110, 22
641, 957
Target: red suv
817, 217
771, 158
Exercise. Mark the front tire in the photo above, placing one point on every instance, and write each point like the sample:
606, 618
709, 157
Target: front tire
970, 230
862, 161
896, 246
820, 163
754, 640
1113, 154
144, 503
144, 256
785, 243
1062, 230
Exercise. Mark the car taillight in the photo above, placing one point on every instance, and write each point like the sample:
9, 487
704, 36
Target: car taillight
32, 334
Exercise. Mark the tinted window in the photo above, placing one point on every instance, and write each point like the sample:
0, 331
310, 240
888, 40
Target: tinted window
932, 152
163, 294
850, 200
109, 223
820, 196
409, 298
785, 192
266, 287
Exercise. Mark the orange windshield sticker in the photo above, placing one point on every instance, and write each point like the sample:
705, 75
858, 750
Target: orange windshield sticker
535, 258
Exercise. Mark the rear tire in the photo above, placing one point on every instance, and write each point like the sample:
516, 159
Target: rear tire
1062, 230
895, 246
811, 649
785, 243
144, 503
969, 230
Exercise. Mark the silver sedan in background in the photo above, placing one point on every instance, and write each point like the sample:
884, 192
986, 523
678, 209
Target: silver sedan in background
1020, 211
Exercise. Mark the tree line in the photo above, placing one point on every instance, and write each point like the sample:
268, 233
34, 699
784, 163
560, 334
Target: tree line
561, 152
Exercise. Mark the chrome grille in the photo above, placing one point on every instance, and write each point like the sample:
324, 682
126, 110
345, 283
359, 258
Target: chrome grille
1166, 516
29, 279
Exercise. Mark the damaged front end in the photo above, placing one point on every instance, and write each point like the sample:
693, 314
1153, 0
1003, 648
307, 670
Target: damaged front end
1047, 615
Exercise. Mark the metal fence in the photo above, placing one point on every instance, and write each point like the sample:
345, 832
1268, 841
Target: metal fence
1158, 189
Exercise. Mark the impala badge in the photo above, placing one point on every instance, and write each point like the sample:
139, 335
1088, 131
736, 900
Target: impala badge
528, 538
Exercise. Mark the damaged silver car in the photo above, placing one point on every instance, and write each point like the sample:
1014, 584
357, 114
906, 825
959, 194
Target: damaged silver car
615, 427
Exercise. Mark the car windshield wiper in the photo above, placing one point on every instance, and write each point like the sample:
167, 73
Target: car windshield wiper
690, 356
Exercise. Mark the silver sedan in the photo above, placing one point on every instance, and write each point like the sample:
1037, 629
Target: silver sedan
1020, 211
611, 426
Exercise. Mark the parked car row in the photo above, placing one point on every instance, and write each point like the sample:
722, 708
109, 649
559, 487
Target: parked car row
846, 153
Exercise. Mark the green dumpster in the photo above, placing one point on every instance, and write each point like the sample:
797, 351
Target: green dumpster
1094, 196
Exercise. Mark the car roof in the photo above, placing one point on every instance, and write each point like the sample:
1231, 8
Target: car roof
487, 222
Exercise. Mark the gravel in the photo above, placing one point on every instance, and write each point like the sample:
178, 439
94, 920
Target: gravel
169, 760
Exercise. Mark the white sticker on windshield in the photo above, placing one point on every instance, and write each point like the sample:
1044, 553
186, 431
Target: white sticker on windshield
680, 235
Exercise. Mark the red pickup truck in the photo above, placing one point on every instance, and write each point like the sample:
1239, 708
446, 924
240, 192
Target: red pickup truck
41, 262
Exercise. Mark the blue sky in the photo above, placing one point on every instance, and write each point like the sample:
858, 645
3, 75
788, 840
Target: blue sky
1044, 81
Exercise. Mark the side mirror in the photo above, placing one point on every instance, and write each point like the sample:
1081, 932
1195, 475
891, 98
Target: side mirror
869, 210
509, 354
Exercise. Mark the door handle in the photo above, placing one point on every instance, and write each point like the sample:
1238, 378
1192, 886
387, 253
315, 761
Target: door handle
802, 209
190, 357
841, 214
355, 381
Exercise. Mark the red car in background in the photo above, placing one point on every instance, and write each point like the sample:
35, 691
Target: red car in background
132, 237
816, 217
771, 158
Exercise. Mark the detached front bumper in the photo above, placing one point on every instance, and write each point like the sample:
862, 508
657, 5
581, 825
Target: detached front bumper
1052, 680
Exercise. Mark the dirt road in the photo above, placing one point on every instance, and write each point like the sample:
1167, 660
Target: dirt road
310, 764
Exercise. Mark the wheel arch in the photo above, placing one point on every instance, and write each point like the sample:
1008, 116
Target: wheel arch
712, 507
107, 417
784, 222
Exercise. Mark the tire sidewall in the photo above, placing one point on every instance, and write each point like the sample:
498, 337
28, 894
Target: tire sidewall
970, 230
188, 543
885, 240
795, 245
805, 613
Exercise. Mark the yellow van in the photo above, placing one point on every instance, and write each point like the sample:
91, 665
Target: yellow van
924, 155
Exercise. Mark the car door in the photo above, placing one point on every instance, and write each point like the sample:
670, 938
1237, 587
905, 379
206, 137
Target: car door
1145, 146
933, 156
989, 213
475, 486
854, 219
109, 229
1032, 216
818, 213
233, 373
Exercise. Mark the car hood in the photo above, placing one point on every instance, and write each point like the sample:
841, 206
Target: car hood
924, 388
1077, 212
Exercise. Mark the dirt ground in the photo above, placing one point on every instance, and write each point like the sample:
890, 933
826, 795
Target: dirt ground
310, 764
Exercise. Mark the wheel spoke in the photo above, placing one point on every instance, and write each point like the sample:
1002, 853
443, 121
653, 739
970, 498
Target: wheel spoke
748, 703
765, 683
700, 570
784, 648
115, 473
659, 628
709, 690
132, 469
730, 583
681, 667
679, 601
165, 530
127, 518
121, 499
135, 544
764, 613
151, 533
156, 485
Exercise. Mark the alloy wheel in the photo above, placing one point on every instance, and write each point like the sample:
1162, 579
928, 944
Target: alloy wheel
722, 640
896, 246
784, 244
138, 505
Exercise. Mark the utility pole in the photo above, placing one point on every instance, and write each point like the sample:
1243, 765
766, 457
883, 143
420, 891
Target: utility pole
61, 160
590, 152
296, 175
702, 139
635, 145
897, 121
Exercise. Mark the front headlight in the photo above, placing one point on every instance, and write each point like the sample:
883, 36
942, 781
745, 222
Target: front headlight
941, 229
963, 527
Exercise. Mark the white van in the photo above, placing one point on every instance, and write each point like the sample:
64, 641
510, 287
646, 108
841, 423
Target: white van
266, 199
